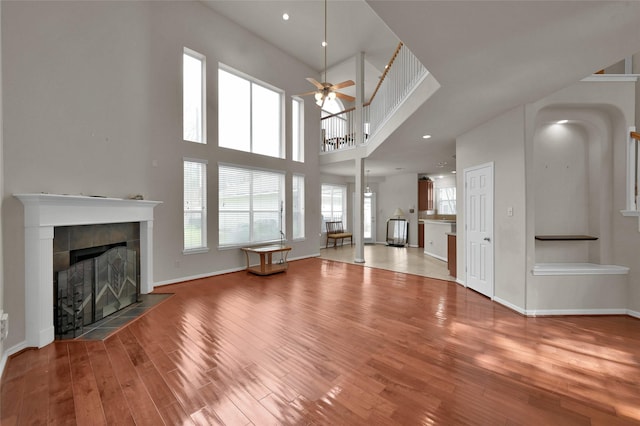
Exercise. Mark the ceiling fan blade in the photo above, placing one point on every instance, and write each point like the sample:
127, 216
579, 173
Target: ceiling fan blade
345, 97
313, 92
342, 85
315, 83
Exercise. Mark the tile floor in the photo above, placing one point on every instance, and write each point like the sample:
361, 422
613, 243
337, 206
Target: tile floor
410, 260
100, 330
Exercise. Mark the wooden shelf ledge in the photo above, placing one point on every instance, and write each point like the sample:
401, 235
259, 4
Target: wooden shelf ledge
565, 238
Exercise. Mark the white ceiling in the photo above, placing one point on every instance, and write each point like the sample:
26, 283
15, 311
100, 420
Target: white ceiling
488, 56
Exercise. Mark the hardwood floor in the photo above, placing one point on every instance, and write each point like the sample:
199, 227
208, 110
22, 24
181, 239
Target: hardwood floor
331, 343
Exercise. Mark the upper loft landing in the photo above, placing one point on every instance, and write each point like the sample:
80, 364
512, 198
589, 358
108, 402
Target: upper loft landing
403, 88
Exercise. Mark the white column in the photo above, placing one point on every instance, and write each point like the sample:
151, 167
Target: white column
146, 256
358, 207
358, 211
38, 249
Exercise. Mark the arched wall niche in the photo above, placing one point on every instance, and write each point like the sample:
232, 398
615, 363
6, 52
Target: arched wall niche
573, 175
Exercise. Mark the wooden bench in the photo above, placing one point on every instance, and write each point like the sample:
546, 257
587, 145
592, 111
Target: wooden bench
335, 232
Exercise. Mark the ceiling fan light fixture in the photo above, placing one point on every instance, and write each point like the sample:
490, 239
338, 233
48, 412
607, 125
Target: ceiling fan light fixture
326, 91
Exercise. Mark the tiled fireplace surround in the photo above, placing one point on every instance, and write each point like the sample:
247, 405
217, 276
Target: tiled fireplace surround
42, 214
69, 239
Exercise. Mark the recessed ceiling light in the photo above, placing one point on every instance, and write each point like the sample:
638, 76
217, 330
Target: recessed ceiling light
324, 44
453, 172
440, 177
426, 137
562, 121
285, 16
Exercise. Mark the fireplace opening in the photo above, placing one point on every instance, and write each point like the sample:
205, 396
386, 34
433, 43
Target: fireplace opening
99, 281
79, 255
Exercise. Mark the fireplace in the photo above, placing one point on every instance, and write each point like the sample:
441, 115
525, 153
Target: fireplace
95, 273
44, 213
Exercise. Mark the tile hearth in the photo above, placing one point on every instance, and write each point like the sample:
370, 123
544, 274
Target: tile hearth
102, 329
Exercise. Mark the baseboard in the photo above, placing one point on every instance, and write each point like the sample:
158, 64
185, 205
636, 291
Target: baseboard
444, 259
461, 282
215, 273
559, 312
12, 350
510, 305
634, 314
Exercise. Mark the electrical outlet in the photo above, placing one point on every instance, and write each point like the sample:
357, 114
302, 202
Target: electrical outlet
4, 326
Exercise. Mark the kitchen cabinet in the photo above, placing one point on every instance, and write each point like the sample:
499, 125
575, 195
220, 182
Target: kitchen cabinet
425, 195
452, 255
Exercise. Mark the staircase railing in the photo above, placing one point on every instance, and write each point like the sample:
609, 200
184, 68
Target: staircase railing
400, 76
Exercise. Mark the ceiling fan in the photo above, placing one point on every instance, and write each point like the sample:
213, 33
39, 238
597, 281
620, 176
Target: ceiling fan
326, 91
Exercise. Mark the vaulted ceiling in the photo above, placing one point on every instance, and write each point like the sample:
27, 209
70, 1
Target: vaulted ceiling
488, 56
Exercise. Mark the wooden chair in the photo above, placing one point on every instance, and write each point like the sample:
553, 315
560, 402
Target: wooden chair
336, 232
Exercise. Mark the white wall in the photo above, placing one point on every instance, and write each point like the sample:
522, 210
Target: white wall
604, 111
94, 107
500, 141
398, 191
2, 307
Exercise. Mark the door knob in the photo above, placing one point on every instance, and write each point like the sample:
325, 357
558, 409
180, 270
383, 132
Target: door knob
487, 239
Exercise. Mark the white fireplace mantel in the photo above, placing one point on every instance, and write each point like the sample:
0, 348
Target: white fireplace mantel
43, 212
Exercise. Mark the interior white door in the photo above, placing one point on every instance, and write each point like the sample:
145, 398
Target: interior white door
369, 218
479, 228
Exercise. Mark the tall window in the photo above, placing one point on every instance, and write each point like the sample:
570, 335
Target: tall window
447, 200
249, 114
297, 129
195, 205
298, 206
193, 97
334, 199
250, 206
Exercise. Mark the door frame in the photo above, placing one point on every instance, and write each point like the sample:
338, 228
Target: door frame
371, 240
467, 220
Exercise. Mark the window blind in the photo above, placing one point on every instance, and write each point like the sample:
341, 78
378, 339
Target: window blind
195, 204
250, 205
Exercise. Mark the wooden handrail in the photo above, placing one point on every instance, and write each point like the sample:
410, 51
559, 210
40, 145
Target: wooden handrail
343, 112
386, 70
635, 135
384, 74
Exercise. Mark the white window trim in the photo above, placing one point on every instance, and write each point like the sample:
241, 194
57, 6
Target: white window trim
203, 59
205, 247
254, 80
304, 199
301, 141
